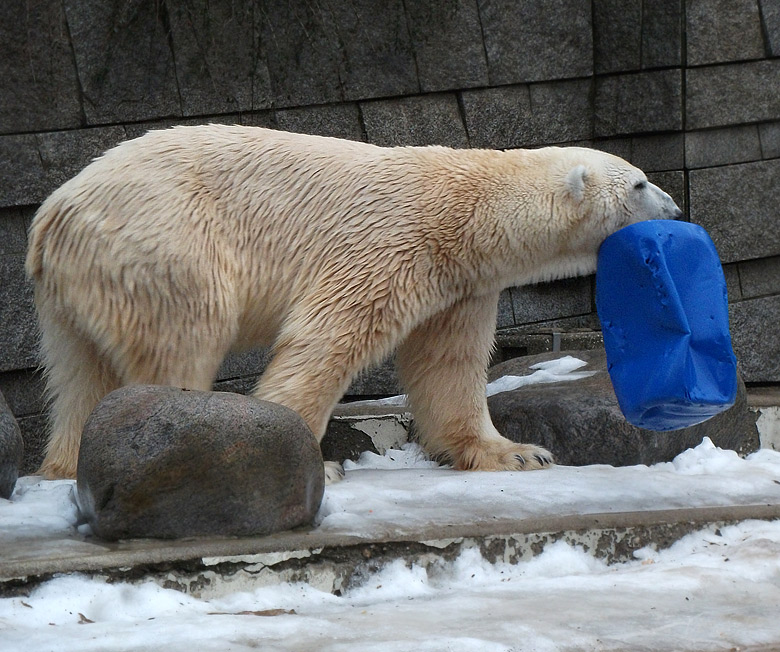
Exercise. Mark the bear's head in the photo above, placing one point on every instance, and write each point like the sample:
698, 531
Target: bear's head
591, 195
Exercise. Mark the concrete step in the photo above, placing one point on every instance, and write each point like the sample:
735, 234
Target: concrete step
421, 515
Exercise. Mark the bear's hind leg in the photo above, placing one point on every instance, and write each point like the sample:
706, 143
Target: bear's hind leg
443, 366
76, 379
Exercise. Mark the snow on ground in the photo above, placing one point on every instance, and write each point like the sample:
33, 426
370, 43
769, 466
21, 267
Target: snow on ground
712, 590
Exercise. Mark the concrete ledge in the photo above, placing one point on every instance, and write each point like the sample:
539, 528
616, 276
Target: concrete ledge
332, 561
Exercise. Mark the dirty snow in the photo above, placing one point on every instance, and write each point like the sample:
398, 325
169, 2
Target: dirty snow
712, 590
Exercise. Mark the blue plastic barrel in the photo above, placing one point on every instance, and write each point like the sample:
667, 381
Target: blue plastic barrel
661, 299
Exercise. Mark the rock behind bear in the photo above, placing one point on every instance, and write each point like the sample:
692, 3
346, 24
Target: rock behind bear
11, 450
163, 462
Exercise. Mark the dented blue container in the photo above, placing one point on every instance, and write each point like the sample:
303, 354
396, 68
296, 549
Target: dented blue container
661, 299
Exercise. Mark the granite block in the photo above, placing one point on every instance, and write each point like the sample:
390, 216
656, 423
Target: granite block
248, 363
498, 118
65, 153
124, 60
22, 178
753, 326
448, 47
545, 301
24, 391
769, 134
561, 111
617, 35
34, 434
722, 30
13, 231
421, 120
18, 341
526, 115
770, 14
722, 146
38, 85
338, 120
506, 314
638, 103
760, 277
672, 182
534, 41
658, 152
662, 33
213, 44
737, 204
733, 288
299, 43
377, 57
732, 94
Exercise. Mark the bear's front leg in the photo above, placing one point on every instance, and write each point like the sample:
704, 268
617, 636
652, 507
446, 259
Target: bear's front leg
443, 366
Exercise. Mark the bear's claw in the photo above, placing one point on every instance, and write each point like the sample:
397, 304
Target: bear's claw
334, 472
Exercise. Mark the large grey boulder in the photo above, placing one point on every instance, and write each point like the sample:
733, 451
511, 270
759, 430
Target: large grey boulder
580, 421
11, 450
164, 462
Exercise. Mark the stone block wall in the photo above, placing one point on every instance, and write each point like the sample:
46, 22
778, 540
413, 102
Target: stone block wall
689, 90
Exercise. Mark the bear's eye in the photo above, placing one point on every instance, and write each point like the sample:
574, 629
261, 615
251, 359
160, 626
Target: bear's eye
640, 185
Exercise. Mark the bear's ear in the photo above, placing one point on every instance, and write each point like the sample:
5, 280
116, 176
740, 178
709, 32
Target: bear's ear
575, 181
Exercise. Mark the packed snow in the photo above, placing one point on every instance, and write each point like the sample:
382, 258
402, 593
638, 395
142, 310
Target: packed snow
712, 590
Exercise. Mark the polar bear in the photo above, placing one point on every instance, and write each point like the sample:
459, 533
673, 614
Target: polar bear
177, 247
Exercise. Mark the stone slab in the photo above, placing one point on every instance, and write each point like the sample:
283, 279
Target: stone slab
633, 35
299, 43
527, 115
337, 120
753, 326
770, 13
638, 103
543, 40
737, 204
65, 153
18, 342
732, 94
760, 277
662, 33
22, 177
124, 60
23, 391
39, 88
213, 45
672, 182
376, 53
448, 46
422, 120
722, 30
34, 434
722, 146
533, 303
13, 231
769, 134
617, 35
331, 560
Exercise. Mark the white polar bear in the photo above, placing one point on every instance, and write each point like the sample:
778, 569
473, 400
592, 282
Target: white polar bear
184, 244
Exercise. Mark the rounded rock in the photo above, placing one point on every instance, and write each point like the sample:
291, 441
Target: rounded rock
164, 462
